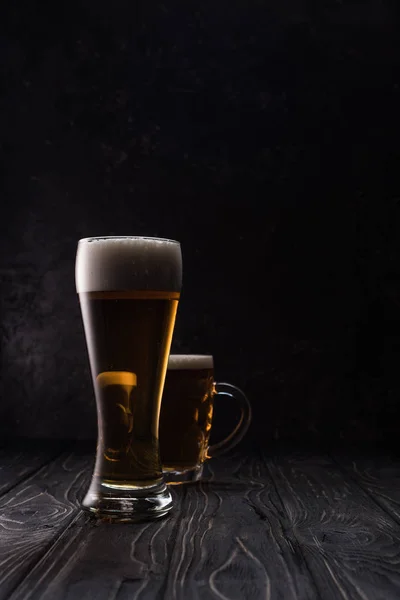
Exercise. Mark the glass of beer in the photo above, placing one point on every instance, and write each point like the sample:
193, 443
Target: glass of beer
128, 289
186, 416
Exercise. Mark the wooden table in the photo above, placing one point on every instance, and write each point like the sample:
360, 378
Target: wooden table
263, 525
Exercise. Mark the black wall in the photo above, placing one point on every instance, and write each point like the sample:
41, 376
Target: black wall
264, 137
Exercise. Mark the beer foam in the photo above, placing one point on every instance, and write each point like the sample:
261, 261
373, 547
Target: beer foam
128, 263
190, 361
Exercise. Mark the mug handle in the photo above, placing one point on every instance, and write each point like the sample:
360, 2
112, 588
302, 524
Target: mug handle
226, 389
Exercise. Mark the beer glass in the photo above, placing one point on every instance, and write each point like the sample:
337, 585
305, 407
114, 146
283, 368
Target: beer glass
128, 289
186, 416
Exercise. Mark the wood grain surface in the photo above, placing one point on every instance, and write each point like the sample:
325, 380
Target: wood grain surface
223, 540
378, 475
36, 512
17, 463
278, 526
351, 546
95, 559
231, 541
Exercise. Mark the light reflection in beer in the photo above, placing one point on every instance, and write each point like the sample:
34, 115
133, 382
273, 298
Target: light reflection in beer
116, 387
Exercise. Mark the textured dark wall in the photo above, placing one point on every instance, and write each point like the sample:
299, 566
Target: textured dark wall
263, 136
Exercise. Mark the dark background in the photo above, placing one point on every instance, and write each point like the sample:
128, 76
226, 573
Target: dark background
264, 137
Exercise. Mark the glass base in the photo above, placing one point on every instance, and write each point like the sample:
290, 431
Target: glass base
173, 477
127, 505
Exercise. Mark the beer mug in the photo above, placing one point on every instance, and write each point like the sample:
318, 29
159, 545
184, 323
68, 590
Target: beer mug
128, 289
186, 416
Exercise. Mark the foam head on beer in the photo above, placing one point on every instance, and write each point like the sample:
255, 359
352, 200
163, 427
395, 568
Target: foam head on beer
187, 362
128, 263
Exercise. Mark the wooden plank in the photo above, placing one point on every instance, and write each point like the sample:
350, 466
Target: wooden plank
20, 460
240, 533
230, 542
378, 476
36, 512
351, 545
224, 540
94, 559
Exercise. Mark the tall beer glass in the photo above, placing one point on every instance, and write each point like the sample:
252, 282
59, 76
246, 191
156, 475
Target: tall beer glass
129, 289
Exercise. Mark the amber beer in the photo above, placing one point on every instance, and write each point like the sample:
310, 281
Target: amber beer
128, 335
186, 412
189, 396
128, 290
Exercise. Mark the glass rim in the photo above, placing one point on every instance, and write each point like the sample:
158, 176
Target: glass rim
127, 237
190, 362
